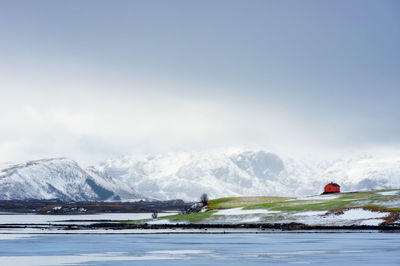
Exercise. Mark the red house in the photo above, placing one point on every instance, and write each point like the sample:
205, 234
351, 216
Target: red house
332, 188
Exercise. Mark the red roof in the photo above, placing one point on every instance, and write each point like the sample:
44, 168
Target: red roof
334, 184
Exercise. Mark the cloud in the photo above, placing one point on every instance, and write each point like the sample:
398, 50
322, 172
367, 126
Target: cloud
89, 125
315, 81
74, 122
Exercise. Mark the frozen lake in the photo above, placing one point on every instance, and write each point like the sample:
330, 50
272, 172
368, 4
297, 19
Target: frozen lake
201, 249
14, 218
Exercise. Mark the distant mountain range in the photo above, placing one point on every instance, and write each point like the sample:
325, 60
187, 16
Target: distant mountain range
187, 175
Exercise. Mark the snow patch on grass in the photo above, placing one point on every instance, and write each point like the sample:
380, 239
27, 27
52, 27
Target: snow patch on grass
374, 222
240, 211
310, 213
356, 214
166, 221
320, 197
388, 193
251, 220
390, 203
349, 217
161, 221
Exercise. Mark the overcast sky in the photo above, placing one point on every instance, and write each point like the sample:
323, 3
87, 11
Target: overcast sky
93, 80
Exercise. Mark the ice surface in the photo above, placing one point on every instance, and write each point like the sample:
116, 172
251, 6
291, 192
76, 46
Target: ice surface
180, 252
76, 219
204, 249
14, 236
78, 259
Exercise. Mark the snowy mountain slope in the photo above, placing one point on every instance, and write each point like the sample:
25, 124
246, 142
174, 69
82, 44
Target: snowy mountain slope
59, 178
222, 174
120, 190
186, 175
366, 173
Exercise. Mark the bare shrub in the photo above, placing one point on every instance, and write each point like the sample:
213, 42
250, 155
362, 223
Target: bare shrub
204, 199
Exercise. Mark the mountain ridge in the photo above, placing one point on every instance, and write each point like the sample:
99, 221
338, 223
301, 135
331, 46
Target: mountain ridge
186, 175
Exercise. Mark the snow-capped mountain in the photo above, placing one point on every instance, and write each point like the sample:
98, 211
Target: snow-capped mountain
223, 174
187, 175
57, 178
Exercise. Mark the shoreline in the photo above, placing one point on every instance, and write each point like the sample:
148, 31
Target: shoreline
123, 228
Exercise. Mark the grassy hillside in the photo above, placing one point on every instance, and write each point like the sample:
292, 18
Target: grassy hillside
382, 204
234, 202
382, 199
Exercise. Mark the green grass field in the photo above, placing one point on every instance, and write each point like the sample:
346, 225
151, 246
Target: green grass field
234, 202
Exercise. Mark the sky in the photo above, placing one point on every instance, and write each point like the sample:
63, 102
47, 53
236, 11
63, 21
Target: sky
93, 80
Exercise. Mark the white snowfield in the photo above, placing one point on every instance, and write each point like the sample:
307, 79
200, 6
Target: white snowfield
186, 175
349, 217
166, 221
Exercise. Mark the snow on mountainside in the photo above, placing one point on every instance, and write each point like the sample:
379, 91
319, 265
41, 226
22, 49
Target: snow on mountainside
220, 174
59, 178
187, 175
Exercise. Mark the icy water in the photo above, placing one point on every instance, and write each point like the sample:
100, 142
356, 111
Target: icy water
202, 249
16, 218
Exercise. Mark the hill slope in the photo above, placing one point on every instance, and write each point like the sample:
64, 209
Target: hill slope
358, 208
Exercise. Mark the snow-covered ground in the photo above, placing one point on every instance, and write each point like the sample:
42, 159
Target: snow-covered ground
353, 217
309, 213
166, 221
320, 197
388, 193
391, 203
348, 217
240, 211
356, 216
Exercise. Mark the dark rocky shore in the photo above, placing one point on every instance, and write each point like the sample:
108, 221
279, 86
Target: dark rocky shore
283, 226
